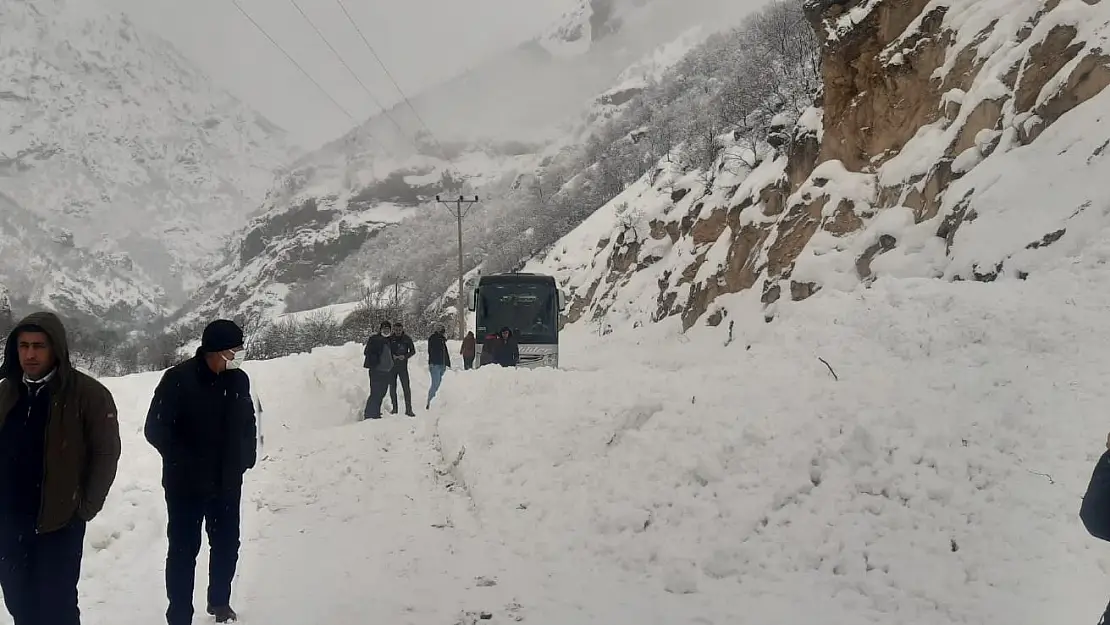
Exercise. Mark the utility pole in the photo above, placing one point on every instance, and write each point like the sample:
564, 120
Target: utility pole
455, 207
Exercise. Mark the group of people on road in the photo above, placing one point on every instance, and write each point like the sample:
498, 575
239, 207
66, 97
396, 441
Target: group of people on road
387, 354
59, 452
60, 448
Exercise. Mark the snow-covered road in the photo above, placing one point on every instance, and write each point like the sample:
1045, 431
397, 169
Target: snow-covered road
345, 520
660, 479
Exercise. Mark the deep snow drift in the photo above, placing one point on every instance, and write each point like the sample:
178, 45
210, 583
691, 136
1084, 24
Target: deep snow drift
661, 478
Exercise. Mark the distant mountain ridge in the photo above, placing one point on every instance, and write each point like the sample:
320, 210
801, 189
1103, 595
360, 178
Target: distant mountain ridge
123, 169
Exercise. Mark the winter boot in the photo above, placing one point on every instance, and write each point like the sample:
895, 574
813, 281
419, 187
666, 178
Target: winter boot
410, 413
223, 614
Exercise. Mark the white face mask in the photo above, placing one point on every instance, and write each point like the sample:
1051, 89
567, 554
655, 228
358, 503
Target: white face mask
230, 363
386, 332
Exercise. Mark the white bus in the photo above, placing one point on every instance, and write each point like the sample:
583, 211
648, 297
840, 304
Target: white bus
529, 305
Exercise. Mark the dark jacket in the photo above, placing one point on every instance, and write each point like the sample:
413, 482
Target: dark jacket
22, 452
81, 444
469, 347
506, 353
403, 349
438, 354
203, 424
489, 349
378, 355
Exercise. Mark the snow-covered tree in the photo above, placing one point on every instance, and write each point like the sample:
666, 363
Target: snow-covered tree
7, 320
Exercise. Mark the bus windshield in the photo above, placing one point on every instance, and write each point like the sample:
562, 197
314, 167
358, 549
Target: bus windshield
529, 309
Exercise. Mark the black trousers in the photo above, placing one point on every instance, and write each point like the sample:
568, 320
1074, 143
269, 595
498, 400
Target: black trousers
39, 572
400, 373
379, 386
219, 514
468, 362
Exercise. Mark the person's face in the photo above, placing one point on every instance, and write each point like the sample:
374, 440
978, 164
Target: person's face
505, 334
400, 329
233, 358
36, 356
226, 360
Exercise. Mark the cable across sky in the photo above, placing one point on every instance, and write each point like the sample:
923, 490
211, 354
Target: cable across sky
294, 61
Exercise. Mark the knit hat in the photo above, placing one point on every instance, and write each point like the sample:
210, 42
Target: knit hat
221, 335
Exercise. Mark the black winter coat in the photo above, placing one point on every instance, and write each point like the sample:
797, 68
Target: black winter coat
506, 352
204, 426
403, 349
378, 355
438, 353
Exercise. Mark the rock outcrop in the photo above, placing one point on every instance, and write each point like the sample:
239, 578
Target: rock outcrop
928, 113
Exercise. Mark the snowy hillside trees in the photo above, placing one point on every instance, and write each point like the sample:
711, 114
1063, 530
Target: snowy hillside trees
724, 95
7, 322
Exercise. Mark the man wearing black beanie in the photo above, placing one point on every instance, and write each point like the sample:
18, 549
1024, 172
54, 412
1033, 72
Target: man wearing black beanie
202, 422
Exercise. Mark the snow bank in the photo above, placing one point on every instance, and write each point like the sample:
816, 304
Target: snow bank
913, 453
935, 479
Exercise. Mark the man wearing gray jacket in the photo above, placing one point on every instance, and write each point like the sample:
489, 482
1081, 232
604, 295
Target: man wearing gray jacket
378, 358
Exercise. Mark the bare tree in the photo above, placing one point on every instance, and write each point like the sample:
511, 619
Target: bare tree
320, 329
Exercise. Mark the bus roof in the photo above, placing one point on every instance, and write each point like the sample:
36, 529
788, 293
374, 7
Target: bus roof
515, 277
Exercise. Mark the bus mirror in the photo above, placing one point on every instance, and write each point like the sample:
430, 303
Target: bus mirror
562, 301
472, 304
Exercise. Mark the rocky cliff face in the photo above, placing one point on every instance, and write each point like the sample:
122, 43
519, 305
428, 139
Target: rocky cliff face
953, 139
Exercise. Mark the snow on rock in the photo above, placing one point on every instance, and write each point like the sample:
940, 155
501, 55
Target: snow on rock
140, 166
968, 159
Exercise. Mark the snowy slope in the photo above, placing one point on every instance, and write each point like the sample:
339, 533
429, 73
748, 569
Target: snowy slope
123, 151
669, 477
957, 140
493, 124
588, 22
326, 212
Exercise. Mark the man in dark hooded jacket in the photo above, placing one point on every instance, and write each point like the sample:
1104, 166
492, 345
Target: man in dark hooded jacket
506, 353
59, 448
202, 422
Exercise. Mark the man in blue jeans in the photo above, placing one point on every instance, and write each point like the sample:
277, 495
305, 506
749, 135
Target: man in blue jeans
439, 360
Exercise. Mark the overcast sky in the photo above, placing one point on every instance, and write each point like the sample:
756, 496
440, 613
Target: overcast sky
422, 42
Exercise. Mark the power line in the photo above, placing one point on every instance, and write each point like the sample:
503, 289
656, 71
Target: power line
294, 62
339, 56
388, 73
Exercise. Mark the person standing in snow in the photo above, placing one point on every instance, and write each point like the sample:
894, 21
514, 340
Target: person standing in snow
489, 349
403, 349
202, 422
439, 360
469, 348
378, 358
506, 353
59, 449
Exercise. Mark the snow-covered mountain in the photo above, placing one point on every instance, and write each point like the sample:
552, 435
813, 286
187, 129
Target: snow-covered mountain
502, 119
590, 21
122, 168
953, 139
